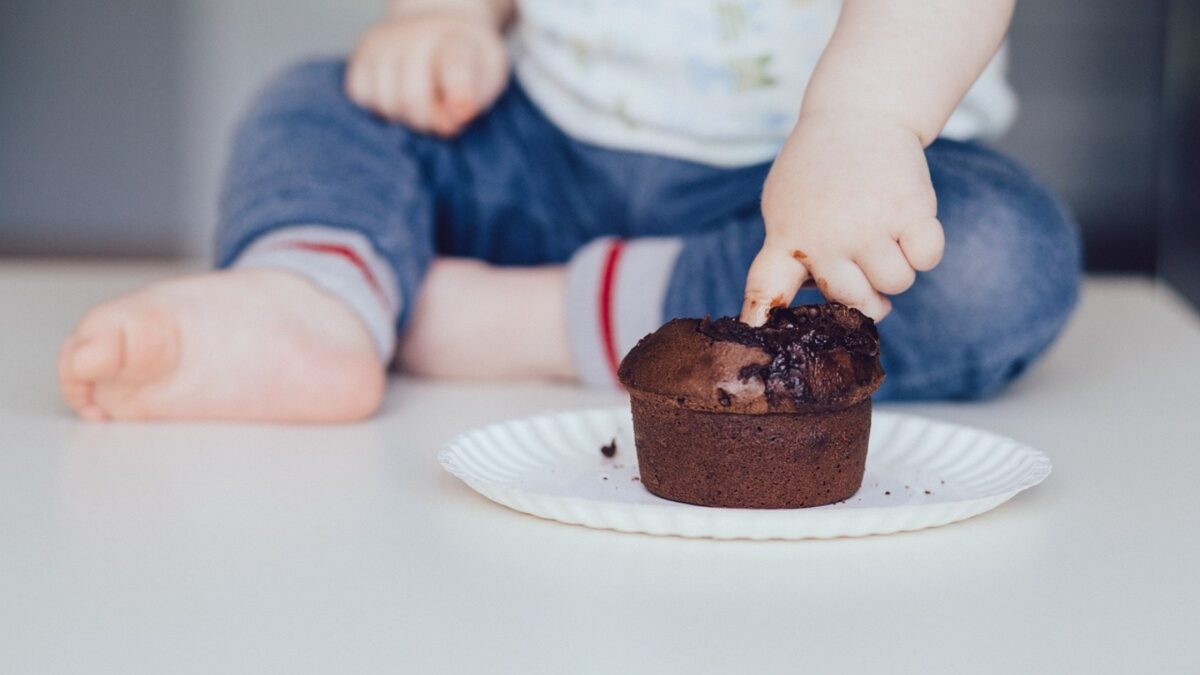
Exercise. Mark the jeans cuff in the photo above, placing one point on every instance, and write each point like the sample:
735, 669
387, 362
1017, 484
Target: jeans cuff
342, 263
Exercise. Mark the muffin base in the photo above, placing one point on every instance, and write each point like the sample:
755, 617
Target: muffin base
765, 461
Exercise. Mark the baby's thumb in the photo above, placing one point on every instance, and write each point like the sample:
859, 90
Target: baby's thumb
774, 278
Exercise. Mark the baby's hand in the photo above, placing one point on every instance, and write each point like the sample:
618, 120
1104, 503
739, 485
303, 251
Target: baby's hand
433, 70
849, 203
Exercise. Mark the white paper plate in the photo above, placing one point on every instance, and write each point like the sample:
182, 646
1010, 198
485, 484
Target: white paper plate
920, 473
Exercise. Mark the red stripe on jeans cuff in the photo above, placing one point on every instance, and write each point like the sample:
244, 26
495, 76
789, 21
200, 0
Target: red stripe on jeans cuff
607, 281
350, 256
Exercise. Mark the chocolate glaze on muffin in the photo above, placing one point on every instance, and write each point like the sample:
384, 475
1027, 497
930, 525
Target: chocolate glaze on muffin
770, 417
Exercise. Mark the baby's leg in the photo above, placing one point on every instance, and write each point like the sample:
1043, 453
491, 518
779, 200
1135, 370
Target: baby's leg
1005, 287
473, 320
290, 332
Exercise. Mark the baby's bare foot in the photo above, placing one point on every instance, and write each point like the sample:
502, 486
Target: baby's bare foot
260, 345
473, 320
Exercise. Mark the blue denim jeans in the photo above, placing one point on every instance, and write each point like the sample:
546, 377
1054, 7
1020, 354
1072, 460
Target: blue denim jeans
515, 190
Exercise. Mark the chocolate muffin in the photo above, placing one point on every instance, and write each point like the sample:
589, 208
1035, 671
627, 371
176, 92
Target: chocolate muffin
770, 417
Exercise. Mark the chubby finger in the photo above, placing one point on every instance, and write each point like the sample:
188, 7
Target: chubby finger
773, 280
416, 90
495, 59
359, 83
923, 244
457, 75
493, 67
886, 267
387, 77
842, 281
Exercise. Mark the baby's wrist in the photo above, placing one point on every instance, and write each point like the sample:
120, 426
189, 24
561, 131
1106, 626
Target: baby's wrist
861, 121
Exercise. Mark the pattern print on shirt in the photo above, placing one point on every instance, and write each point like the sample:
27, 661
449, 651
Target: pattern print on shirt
731, 18
752, 72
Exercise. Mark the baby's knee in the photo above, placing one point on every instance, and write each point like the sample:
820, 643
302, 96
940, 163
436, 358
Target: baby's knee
1007, 236
1007, 286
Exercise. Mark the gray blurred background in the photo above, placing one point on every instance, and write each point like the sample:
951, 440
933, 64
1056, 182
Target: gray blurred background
115, 116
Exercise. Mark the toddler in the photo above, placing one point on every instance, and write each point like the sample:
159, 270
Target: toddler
490, 189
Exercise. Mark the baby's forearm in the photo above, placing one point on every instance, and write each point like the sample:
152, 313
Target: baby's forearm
499, 10
907, 59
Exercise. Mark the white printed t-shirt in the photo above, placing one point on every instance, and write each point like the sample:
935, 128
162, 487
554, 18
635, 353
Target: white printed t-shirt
713, 81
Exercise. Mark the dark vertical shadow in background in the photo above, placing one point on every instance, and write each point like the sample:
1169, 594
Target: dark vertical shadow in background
1089, 82
1179, 253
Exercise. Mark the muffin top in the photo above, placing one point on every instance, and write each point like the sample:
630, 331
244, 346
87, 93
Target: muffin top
803, 359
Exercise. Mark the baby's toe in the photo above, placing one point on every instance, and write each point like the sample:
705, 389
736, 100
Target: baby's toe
98, 355
150, 346
77, 393
93, 413
126, 345
115, 351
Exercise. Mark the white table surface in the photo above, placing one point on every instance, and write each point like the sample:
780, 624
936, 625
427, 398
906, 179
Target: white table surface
211, 548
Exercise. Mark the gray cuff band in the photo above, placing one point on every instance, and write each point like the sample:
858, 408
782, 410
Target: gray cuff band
341, 262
